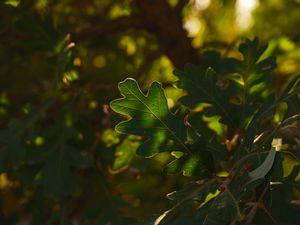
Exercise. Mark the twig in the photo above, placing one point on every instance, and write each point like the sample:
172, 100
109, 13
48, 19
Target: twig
235, 202
194, 193
9, 35
269, 214
254, 209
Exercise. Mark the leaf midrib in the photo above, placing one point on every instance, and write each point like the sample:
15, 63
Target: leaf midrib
161, 121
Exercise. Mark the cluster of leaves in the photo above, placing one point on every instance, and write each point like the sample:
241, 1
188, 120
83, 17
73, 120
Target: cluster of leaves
62, 163
229, 132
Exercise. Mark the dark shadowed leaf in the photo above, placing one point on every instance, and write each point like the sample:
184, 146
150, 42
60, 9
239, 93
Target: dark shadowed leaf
260, 172
200, 163
205, 86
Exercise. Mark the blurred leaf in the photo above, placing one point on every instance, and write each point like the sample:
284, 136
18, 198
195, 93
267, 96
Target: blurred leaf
60, 156
291, 85
290, 96
14, 3
57, 178
14, 147
124, 154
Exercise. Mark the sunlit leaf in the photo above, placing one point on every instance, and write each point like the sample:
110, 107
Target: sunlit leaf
150, 117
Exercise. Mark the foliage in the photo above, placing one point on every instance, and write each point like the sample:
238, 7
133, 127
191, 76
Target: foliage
253, 168
203, 133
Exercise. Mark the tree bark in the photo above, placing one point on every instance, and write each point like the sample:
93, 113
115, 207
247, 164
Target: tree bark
166, 23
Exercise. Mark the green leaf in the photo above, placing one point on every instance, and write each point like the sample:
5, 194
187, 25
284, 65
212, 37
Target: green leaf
205, 86
201, 203
200, 163
189, 165
291, 85
149, 116
267, 109
13, 150
59, 157
124, 154
290, 96
255, 75
252, 68
236, 91
295, 172
57, 178
14, 140
260, 172
222, 211
187, 200
217, 150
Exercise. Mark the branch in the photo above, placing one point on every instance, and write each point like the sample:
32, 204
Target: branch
269, 215
235, 203
256, 206
8, 35
107, 27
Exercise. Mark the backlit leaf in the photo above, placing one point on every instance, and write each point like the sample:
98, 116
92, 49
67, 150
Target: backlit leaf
149, 116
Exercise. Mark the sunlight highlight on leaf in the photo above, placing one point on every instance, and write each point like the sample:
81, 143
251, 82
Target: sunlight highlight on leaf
209, 197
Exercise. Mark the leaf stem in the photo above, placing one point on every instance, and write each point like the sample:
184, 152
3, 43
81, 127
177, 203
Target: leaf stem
252, 213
